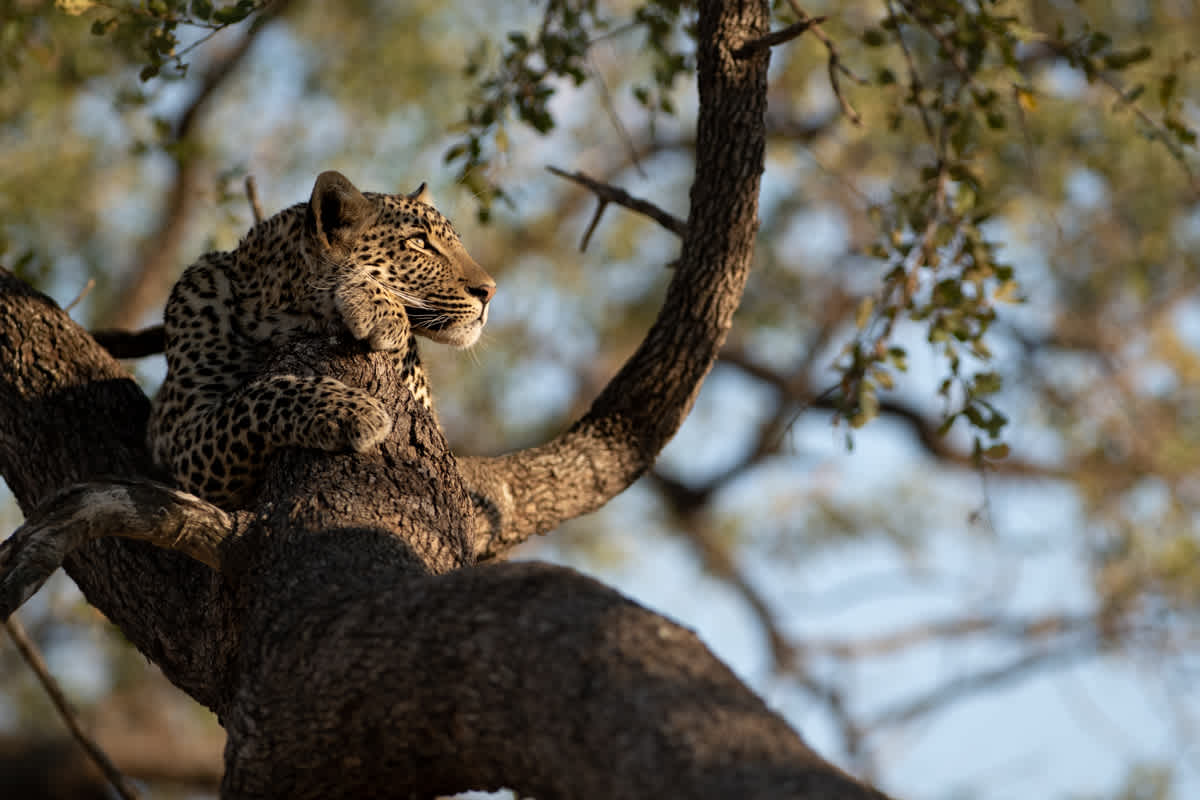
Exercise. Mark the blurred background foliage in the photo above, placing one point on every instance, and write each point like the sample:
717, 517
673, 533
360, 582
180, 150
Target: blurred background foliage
939, 500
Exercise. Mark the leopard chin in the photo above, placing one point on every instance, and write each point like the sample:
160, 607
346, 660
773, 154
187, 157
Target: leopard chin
439, 328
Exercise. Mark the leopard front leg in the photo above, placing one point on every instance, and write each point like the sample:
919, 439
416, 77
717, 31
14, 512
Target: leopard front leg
373, 313
317, 412
220, 452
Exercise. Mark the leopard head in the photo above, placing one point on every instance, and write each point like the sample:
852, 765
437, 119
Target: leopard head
405, 245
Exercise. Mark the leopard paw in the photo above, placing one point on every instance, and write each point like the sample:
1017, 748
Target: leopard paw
368, 426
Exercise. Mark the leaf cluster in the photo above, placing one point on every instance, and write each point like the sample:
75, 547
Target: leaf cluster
530, 68
153, 27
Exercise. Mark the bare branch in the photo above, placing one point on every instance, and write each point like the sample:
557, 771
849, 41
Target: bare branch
532, 491
777, 37
252, 198
915, 82
158, 514
1004, 674
611, 194
611, 110
33, 658
836, 67
591, 228
1026, 630
84, 292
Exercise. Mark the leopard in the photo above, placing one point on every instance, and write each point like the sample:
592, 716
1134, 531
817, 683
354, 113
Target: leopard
378, 268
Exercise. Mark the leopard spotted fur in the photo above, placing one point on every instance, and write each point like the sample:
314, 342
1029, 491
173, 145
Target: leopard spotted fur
381, 267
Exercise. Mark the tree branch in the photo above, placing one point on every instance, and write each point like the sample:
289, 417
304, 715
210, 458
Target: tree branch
69, 414
34, 659
611, 194
836, 66
641, 408
777, 37
984, 679
163, 516
1033, 629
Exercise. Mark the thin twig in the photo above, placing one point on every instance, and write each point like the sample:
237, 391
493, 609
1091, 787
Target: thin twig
252, 198
1018, 629
610, 111
915, 81
84, 292
29, 651
611, 194
959, 687
951, 49
835, 63
777, 37
591, 228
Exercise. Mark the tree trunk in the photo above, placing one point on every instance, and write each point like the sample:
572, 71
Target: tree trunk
342, 630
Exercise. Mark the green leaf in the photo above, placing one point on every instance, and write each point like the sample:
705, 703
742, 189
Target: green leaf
986, 383
1166, 88
997, 451
232, 14
1119, 60
873, 37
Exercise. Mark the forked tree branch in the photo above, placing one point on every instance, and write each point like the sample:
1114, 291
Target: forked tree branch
836, 66
611, 194
534, 490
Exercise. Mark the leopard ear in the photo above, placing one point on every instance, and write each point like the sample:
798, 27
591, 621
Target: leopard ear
422, 195
337, 212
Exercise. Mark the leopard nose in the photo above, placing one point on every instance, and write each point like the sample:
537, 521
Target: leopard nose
484, 292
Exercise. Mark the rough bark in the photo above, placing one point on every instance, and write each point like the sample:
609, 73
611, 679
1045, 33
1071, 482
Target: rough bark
348, 643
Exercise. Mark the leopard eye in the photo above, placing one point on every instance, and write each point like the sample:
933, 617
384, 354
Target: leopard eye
420, 242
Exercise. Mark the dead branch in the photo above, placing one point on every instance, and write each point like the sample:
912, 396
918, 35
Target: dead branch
777, 37
150, 512
29, 651
611, 194
836, 66
252, 199
1024, 630
956, 688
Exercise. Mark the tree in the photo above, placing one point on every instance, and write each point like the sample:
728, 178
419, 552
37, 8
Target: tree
927, 164
340, 630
